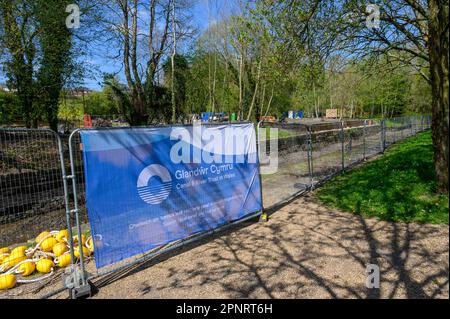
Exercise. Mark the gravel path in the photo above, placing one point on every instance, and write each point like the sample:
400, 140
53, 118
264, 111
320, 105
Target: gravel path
305, 251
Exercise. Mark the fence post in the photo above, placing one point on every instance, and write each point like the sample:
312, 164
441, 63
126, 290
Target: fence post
364, 139
263, 216
342, 145
65, 177
382, 135
83, 288
402, 119
309, 155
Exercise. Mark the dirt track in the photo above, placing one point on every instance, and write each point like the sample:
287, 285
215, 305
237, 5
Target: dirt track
304, 251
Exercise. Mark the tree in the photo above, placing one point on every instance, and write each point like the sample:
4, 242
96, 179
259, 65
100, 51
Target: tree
410, 32
144, 43
39, 59
413, 32
176, 77
19, 43
56, 62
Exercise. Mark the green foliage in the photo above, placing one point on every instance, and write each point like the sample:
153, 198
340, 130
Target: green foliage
119, 91
55, 43
71, 108
290, 59
9, 108
94, 103
101, 103
182, 76
301, 75
400, 186
39, 58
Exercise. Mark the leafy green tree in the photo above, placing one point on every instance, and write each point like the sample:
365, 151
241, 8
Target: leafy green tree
9, 108
182, 75
56, 61
39, 59
18, 40
416, 33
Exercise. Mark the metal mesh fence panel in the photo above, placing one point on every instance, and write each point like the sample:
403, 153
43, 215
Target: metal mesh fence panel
292, 175
393, 131
32, 201
373, 133
326, 151
427, 122
422, 123
32, 192
31, 189
78, 164
353, 144
415, 125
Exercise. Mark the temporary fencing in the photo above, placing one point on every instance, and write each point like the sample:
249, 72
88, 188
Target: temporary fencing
43, 184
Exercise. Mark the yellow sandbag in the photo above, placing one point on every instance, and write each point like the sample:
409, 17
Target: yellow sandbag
15, 259
83, 239
63, 260
42, 236
47, 244
45, 266
62, 235
5, 265
19, 251
86, 252
59, 249
26, 268
3, 257
7, 281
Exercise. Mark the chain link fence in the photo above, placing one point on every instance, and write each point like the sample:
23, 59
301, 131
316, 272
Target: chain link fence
38, 174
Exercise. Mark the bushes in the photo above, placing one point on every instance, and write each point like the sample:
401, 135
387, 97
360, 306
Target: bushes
9, 108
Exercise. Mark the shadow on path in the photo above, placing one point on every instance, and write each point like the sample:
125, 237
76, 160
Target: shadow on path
305, 251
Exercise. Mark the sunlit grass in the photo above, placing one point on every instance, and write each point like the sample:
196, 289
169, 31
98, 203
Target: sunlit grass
399, 186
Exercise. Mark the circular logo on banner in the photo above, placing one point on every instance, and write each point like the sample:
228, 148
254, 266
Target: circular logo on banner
158, 191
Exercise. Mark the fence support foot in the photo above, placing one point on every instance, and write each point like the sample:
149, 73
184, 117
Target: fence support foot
84, 291
74, 280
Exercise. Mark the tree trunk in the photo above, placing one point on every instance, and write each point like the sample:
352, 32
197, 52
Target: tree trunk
241, 90
270, 102
438, 55
174, 103
255, 92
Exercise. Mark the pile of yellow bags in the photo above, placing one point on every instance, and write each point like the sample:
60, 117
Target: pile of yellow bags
51, 250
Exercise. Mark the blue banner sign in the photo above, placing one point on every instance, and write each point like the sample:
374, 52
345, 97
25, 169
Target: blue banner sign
146, 187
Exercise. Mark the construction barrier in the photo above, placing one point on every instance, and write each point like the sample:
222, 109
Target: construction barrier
127, 195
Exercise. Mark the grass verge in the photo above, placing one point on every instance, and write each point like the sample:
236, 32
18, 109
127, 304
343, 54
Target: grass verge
399, 186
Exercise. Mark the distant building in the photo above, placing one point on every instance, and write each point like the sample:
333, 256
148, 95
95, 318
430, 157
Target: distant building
78, 92
4, 88
331, 114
